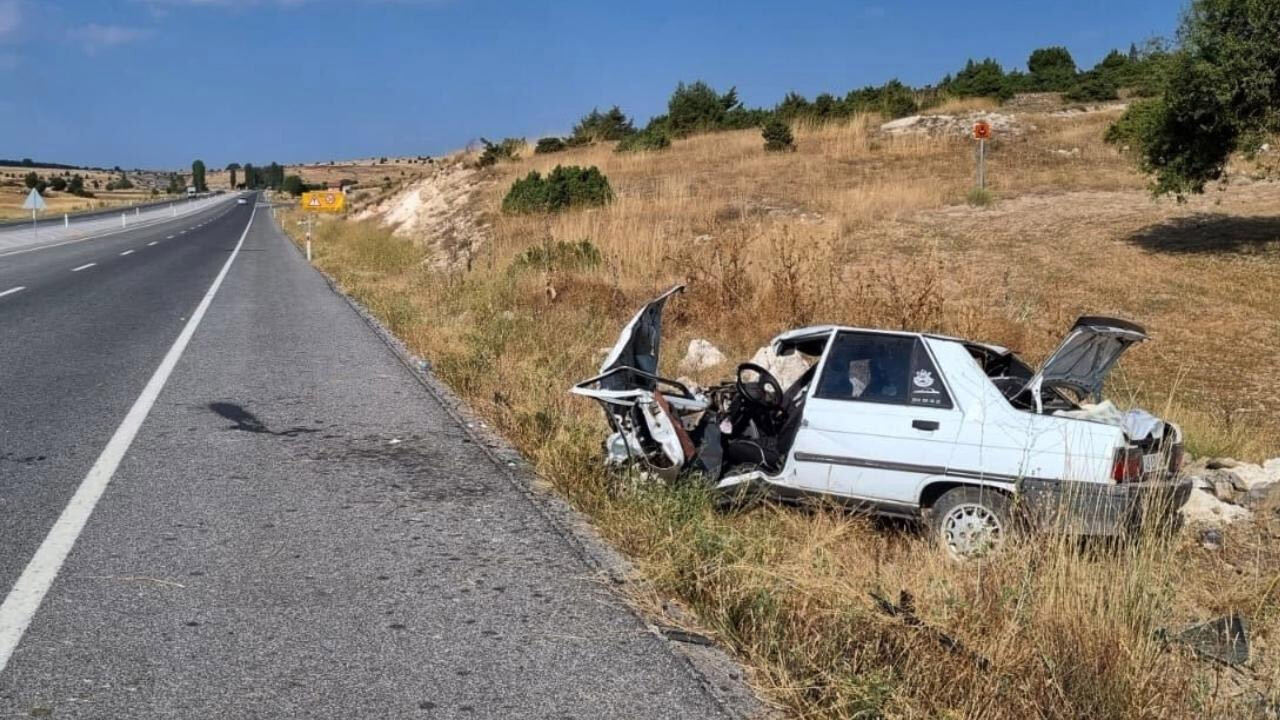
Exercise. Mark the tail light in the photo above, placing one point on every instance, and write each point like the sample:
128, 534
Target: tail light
1176, 458
1127, 466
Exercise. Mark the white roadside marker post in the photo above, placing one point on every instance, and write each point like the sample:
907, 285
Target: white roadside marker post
66, 220
123, 220
308, 237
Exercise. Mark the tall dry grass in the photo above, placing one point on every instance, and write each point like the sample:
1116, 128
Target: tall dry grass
860, 229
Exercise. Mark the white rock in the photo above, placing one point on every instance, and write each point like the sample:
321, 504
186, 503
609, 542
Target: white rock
1203, 507
701, 355
1000, 123
1252, 476
1272, 468
787, 369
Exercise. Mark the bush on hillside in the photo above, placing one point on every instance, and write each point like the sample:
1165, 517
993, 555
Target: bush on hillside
979, 79
508, 149
777, 136
549, 145
596, 126
648, 139
1135, 123
1051, 69
563, 188
891, 100
560, 255
1092, 86
697, 107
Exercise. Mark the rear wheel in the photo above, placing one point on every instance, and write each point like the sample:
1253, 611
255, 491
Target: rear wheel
971, 522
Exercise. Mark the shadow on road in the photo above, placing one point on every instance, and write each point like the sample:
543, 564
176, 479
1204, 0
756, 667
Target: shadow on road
1211, 233
248, 422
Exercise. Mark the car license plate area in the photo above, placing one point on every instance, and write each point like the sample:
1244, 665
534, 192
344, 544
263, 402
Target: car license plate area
1150, 463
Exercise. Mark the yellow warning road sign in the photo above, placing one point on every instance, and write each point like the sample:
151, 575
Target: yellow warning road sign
324, 201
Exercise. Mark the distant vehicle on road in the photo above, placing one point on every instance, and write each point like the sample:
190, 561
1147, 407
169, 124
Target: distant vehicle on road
191, 191
242, 201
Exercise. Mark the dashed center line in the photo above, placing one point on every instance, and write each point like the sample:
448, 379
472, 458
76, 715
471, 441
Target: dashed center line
170, 237
11, 291
127, 252
86, 266
153, 242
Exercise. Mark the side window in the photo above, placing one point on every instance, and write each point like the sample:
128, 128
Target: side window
926, 387
869, 367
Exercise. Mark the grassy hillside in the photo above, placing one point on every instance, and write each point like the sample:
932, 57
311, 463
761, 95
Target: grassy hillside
861, 228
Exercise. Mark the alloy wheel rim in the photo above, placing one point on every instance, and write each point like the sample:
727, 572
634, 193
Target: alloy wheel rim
970, 530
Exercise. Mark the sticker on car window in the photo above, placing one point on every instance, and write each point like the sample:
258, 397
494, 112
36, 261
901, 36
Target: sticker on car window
926, 388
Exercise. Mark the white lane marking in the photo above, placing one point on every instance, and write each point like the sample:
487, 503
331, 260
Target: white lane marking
153, 242
86, 266
11, 291
28, 592
127, 252
170, 237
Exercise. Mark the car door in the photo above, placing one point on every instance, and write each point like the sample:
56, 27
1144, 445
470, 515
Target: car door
879, 420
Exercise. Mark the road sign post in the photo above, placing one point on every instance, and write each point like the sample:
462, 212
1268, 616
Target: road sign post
35, 203
330, 201
982, 133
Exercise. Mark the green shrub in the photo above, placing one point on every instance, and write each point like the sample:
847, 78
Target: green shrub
649, 139
777, 136
508, 149
697, 107
1051, 68
294, 185
560, 255
1133, 125
980, 197
549, 145
1092, 86
563, 188
596, 126
980, 79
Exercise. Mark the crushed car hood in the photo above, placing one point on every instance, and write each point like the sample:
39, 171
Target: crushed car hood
1087, 354
639, 346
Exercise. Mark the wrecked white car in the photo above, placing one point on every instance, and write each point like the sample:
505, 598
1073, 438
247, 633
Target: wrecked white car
961, 434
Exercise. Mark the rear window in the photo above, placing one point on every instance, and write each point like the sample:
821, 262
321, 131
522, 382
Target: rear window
871, 367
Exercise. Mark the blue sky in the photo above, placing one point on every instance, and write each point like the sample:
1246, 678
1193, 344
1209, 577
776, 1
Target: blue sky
155, 83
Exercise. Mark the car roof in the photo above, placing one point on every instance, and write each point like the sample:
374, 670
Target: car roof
791, 340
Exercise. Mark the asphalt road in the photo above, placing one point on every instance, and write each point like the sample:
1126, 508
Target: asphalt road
271, 517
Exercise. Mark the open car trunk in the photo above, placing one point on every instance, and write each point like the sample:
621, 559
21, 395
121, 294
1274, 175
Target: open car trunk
1084, 358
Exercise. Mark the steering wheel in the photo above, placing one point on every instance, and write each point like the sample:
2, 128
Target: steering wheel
764, 392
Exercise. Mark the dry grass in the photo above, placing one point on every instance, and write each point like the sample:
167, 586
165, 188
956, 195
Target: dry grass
860, 229
959, 105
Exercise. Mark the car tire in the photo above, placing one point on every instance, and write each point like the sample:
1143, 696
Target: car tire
971, 522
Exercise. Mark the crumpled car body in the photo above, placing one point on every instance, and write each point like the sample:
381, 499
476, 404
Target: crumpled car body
962, 434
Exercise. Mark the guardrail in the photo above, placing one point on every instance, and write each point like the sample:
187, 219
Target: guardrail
81, 215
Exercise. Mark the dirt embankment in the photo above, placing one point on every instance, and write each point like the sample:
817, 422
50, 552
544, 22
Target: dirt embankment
437, 211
